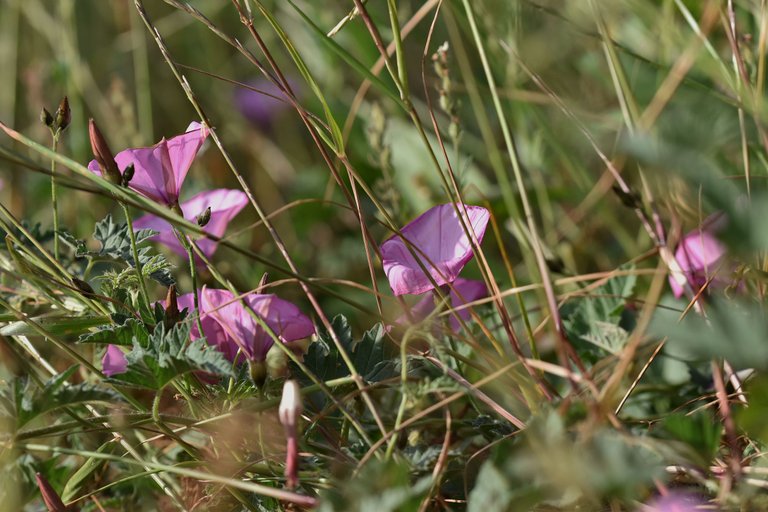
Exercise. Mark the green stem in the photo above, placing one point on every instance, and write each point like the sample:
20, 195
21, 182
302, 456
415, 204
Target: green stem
191, 450
136, 261
54, 201
399, 51
193, 275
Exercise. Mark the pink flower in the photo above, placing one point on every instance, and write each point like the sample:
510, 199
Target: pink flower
698, 254
674, 502
228, 326
440, 243
224, 205
159, 170
262, 102
462, 291
114, 361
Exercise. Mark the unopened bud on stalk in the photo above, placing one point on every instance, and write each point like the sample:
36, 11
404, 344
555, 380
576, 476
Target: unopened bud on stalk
258, 372
128, 175
50, 497
103, 155
83, 286
290, 405
63, 115
262, 282
171, 307
46, 118
204, 217
289, 411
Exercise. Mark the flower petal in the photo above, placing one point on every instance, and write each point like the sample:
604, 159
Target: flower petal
284, 318
224, 204
214, 333
182, 150
462, 291
114, 361
159, 170
445, 248
698, 254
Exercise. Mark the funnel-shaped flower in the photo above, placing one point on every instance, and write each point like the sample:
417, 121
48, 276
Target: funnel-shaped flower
114, 361
228, 326
698, 254
224, 205
463, 291
441, 244
159, 170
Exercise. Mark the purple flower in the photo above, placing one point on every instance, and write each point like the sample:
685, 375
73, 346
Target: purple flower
224, 205
463, 291
674, 502
698, 254
440, 243
228, 326
260, 108
159, 170
114, 361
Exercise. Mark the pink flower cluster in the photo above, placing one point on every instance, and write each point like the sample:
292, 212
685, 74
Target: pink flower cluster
228, 322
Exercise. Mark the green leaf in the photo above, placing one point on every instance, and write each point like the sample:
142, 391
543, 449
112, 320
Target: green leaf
381, 486
115, 243
596, 318
123, 334
751, 419
370, 356
492, 491
80, 477
57, 325
733, 330
166, 354
23, 402
700, 431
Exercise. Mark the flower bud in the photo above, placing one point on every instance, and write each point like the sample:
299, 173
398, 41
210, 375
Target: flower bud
204, 217
103, 155
50, 497
171, 307
63, 115
83, 286
290, 405
262, 282
46, 118
258, 372
128, 175
289, 412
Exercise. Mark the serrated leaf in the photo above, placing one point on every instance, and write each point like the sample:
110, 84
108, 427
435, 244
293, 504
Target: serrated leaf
370, 356
118, 334
609, 337
28, 403
596, 318
166, 354
115, 243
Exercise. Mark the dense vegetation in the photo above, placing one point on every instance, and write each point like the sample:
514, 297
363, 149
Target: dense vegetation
401, 255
